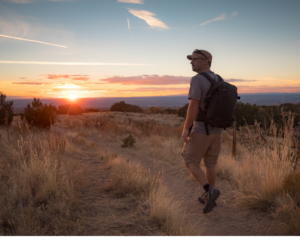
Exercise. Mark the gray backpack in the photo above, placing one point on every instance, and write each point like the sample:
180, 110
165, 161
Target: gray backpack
219, 106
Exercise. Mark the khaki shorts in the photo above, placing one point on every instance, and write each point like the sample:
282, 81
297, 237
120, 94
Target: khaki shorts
201, 146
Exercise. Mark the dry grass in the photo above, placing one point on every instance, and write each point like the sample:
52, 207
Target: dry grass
40, 184
257, 174
129, 178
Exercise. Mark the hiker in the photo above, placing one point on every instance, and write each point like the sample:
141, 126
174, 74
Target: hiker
197, 143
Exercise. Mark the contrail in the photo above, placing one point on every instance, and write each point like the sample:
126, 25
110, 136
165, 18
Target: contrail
129, 28
33, 41
77, 63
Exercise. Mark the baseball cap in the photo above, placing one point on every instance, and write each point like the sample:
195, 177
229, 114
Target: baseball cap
200, 54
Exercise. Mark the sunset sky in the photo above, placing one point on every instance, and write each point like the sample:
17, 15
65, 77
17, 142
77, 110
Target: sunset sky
109, 48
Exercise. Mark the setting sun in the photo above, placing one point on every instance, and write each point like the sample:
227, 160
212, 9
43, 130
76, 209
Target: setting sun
72, 96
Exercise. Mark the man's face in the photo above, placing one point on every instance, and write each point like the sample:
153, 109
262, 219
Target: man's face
198, 64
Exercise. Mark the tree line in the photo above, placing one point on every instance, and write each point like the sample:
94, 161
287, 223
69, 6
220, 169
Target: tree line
246, 113
38, 114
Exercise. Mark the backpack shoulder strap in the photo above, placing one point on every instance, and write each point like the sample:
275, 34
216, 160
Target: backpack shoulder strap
209, 78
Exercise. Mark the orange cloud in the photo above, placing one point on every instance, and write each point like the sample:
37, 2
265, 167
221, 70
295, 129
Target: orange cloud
238, 80
68, 76
165, 91
155, 80
147, 80
269, 89
81, 78
31, 83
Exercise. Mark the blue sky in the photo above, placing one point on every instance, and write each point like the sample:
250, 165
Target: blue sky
132, 49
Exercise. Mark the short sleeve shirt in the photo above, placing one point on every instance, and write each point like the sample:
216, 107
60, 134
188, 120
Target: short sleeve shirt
199, 86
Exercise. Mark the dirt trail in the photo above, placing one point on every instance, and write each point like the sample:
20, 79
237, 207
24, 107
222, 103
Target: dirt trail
226, 218
107, 215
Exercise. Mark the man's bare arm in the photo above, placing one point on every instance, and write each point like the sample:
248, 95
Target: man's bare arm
192, 113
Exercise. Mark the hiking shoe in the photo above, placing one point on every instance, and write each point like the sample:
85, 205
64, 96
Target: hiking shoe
202, 199
210, 197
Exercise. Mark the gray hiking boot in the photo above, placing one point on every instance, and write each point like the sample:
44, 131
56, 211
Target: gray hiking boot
210, 197
202, 199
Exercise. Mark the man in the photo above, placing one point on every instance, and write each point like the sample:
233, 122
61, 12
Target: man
198, 144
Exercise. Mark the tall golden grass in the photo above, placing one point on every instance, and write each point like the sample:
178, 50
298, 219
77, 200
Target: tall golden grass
260, 175
130, 178
40, 183
257, 174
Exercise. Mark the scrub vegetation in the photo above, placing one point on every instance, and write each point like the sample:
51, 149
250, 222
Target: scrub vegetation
55, 181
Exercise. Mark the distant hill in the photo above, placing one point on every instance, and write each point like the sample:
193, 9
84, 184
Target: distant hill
163, 101
270, 99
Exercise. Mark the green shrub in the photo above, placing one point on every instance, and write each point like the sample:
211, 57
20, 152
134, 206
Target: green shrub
183, 111
128, 141
134, 108
155, 110
39, 114
70, 109
124, 107
91, 110
171, 111
6, 110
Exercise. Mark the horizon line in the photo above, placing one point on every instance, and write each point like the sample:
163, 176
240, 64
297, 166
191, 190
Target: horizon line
178, 95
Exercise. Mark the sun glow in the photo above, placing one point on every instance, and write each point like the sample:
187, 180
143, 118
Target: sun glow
72, 96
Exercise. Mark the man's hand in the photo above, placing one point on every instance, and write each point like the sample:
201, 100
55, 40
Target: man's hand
185, 135
191, 116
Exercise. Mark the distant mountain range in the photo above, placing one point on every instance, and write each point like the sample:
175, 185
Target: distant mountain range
163, 101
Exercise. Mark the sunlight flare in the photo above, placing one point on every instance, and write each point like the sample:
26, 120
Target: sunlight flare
72, 96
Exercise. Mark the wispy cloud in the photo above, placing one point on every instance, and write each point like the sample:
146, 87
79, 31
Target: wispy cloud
147, 80
31, 83
70, 77
19, 1
269, 89
129, 28
234, 14
132, 1
30, 40
219, 18
239, 80
14, 26
149, 18
31, 1
77, 63
162, 91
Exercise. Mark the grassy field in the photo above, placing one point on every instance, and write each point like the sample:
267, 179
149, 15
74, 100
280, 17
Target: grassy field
49, 176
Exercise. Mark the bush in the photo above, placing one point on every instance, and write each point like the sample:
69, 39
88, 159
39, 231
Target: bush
70, 109
134, 108
6, 110
124, 107
155, 110
183, 111
38, 114
171, 111
91, 110
129, 141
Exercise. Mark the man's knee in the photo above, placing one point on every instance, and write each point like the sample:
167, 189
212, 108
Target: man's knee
190, 165
187, 161
210, 162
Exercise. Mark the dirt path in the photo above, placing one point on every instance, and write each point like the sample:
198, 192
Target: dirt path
225, 220
107, 215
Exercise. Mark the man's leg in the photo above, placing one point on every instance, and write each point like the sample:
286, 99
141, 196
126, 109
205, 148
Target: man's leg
198, 174
211, 175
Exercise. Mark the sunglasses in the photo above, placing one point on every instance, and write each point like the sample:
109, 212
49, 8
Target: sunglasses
199, 52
